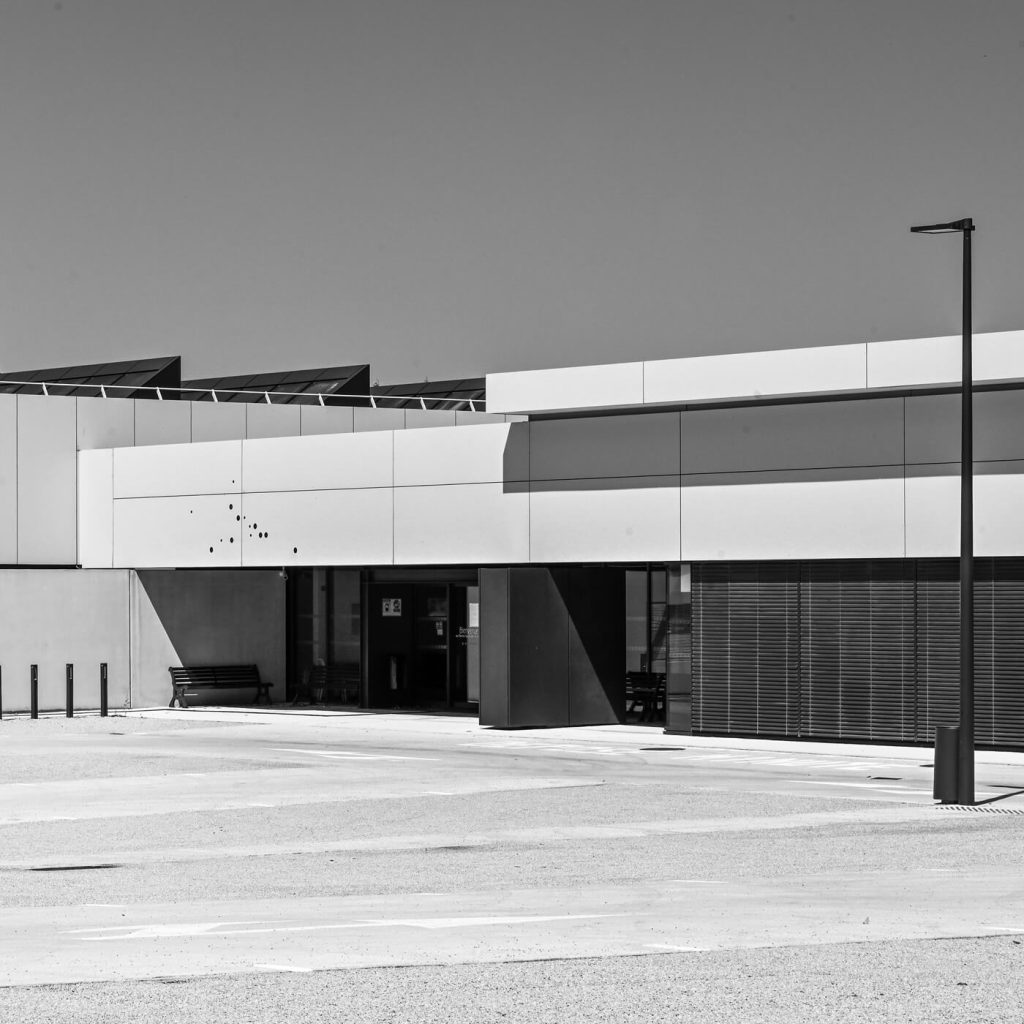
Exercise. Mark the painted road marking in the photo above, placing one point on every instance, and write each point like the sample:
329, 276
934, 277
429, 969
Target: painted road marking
674, 949
352, 755
282, 967
165, 931
694, 881
873, 786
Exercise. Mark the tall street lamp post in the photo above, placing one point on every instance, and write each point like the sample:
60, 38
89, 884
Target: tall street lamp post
965, 753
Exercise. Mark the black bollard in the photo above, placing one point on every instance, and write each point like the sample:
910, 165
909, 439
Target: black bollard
34, 692
947, 745
69, 691
103, 689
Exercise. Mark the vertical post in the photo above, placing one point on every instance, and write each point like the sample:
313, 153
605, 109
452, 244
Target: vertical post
69, 691
103, 689
965, 788
33, 691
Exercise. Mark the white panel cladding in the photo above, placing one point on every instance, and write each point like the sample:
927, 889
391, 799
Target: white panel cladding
350, 527
415, 418
462, 417
479, 454
566, 388
159, 422
796, 515
214, 468
262, 420
218, 421
916, 361
169, 532
999, 509
318, 462
47, 481
364, 419
8, 479
105, 423
462, 523
933, 427
326, 419
811, 436
636, 519
933, 510
646, 444
755, 374
96, 509
998, 355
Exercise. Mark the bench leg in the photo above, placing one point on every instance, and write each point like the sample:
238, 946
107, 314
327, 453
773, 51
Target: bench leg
179, 696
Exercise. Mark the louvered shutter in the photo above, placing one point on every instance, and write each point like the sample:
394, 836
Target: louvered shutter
999, 653
746, 648
857, 655
938, 646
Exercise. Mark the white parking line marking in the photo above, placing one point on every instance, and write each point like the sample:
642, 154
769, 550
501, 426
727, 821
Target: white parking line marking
694, 881
860, 785
165, 931
351, 755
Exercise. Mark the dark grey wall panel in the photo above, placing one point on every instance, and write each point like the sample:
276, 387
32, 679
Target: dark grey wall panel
596, 600
538, 648
552, 646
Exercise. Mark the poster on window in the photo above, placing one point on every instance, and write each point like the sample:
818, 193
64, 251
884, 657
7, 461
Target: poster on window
391, 607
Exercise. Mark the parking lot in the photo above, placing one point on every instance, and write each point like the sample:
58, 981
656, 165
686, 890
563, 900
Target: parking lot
229, 865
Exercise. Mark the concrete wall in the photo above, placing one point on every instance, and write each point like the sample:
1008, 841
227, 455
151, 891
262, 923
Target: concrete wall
50, 617
139, 624
853, 479
195, 617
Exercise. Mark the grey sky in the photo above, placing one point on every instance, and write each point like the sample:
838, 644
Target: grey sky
446, 187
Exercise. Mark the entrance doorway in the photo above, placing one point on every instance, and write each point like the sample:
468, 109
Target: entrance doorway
422, 642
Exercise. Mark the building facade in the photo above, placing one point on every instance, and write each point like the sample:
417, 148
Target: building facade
773, 533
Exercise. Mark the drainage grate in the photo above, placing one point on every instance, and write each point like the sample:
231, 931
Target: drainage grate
77, 867
982, 810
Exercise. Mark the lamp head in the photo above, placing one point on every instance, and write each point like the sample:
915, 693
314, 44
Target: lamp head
967, 224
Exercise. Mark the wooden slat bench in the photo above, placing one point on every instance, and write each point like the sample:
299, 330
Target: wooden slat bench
185, 680
318, 681
648, 690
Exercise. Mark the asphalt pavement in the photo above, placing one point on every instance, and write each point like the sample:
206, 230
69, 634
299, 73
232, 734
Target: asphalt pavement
244, 865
